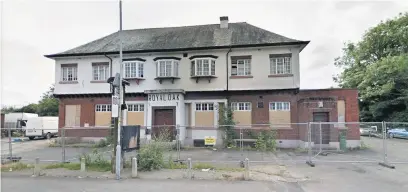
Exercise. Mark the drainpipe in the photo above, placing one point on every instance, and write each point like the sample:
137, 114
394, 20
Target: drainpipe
227, 75
110, 70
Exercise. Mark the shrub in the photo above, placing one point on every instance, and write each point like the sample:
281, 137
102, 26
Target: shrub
151, 157
266, 141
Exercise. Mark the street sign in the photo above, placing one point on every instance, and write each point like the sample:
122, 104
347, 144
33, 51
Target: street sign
115, 106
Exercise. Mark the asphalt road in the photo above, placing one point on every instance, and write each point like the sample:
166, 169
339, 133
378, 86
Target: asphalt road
23, 184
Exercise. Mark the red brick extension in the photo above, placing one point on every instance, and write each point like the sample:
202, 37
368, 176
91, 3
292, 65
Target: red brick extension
303, 104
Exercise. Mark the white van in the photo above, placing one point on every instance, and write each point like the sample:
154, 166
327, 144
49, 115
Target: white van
45, 127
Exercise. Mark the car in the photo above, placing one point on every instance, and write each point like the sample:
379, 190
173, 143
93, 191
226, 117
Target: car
367, 131
398, 133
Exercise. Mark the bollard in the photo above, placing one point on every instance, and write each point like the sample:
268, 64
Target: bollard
37, 167
246, 173
190, 168
134, 167
82, 164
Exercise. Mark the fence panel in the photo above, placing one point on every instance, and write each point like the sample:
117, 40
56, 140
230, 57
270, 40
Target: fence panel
396, 142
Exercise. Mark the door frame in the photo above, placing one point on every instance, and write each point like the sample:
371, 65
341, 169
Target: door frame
324, 126
165, 107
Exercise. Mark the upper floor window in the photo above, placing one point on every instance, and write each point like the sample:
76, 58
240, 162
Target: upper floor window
241, 65
133, 69
279, 106
135, 107
241, 106
103, 107
204, 106
203, 67
167, 68
69, 72
100, 71
280, 64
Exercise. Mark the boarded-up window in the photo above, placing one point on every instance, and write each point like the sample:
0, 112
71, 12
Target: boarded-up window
72, 115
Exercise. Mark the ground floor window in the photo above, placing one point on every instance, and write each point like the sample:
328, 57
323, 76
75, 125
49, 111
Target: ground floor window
103, 107
204, 106
241, 106
135, 107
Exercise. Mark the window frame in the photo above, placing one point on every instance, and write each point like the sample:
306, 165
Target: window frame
284, 106
282, 67
140, 107
139, 69
174, 71
246, 106
211, 67
101, 107
207, 106
74, 71
246, 65
98, 66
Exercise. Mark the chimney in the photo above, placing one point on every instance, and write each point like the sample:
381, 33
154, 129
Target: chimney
224, 22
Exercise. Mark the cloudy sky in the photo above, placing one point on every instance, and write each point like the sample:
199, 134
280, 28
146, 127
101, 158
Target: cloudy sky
30, 29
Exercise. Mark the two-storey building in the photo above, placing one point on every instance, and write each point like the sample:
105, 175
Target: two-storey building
182, 75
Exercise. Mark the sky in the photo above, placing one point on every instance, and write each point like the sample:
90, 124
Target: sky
31, 29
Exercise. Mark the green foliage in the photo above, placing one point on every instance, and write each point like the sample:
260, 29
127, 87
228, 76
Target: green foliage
151, 157
226, 122
96, 162
377, 66
266, 141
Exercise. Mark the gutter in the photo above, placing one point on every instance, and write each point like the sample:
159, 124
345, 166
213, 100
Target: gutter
227, 74
110, 69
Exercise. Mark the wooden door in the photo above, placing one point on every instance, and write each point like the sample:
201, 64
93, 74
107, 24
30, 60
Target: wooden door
164, 124
325, 128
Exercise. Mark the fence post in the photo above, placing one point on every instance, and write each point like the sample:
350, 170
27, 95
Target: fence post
63, 143
134, 167
178, 141
82, 164
10, 145
190, 167
385, 160
37, 167
309, 145
246, 173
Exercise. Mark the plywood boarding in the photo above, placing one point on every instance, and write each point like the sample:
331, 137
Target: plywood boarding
204, 118
341, 112
279, 117
243, 117
103, 118
135, 118
72, 115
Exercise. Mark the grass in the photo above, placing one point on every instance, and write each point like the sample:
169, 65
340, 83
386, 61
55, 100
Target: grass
77, 166
16, 166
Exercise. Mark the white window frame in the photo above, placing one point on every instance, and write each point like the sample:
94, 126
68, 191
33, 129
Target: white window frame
204, 107
211, 67
280, 65
100, 72
279, 106
241, 69
103, 107
65, 73
168, 70
136, 69
135, 107
241, 106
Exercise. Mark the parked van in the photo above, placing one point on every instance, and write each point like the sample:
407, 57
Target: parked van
45, 127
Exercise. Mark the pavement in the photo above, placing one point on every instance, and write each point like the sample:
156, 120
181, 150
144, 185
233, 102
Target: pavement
91, 185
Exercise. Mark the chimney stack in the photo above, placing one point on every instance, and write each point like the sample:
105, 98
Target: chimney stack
224, 22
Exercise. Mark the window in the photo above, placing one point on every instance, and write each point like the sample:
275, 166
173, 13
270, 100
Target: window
100, 71
103, 108
203, 67
241, 106
279, 106
280, 64
69, 72
204, 106
167, 68
241, 65
133, 69
135, 107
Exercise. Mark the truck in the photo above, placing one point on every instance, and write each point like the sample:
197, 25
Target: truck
44, 127
16, 122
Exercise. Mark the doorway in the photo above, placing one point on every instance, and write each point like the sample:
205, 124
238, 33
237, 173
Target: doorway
163, 124
325, 128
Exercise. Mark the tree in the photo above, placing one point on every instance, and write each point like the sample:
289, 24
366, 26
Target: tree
377, 66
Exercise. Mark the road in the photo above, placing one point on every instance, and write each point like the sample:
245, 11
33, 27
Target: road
22, 147
23, 184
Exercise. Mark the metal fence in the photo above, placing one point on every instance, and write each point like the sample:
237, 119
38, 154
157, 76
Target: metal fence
312, 142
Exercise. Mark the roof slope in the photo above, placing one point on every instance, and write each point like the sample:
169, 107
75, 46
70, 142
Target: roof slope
179, 38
